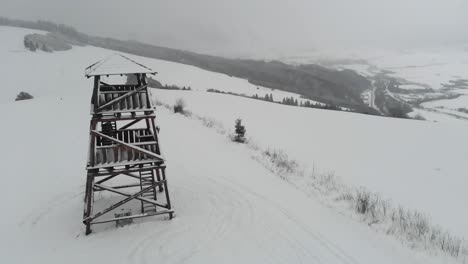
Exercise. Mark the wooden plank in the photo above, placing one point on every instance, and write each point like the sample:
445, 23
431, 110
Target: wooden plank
145, 143
133, 216
112, 207
127, 163
124, 171
122, 97
131, 124
138, 197
126, 117
141, 150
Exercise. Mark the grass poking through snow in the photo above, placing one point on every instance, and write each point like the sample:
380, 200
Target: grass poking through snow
411, 227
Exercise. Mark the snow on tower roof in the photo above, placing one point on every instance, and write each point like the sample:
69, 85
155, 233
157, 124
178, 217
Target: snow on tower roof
116, 64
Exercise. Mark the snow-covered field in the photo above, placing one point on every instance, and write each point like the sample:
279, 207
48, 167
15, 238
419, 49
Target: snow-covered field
419, 164
230, 208
454, 104
416, 68
431, 67
411, 87
169, 73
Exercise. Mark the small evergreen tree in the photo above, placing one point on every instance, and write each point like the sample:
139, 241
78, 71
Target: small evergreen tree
179, 106
239, 132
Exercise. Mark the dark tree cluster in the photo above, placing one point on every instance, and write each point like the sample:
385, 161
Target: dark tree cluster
290, 101
33, 46
320, 106
45, 26
23, 96
30, 45
175, 87
267, 97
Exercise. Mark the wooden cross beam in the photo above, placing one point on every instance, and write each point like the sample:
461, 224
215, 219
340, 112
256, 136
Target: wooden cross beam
122, 170
136, 177
114, 190
134, 216
122, 202
118, 99
131, 123
127, 145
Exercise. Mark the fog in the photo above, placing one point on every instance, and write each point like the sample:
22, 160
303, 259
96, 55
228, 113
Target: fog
259, 26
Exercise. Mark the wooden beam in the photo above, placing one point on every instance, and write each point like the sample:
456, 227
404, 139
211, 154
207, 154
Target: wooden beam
112, 207
144, 143
123, 171
137, 177
119, 187
118, 99
154, 155
108, 178
112, 166
110, 189
127, 117
131, 123
133, 216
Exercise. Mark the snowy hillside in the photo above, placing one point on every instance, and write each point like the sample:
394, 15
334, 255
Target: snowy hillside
409, 161
15, 58
431, 67
444, 70
230, 208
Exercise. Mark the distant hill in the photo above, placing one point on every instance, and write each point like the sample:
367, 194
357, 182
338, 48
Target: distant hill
311, 81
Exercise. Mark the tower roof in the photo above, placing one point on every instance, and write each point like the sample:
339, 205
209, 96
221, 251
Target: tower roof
116, 64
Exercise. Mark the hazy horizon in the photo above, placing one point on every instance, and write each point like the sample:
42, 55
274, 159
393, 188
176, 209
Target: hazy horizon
260, 26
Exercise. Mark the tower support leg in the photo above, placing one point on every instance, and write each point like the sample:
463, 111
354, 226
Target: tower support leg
89, 199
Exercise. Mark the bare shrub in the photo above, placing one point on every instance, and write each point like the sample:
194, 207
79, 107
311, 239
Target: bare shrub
368, 204
212, 123
281, 160
411, 227
327, 181
179, 106
419, 117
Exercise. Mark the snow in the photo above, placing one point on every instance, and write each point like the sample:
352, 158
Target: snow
411, 87
431, 67
13, 56
227, 212
397, 158
459, 102
437, 116
230, 209
116, 64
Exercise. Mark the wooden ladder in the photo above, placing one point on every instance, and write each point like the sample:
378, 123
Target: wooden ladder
147, 179
109, 129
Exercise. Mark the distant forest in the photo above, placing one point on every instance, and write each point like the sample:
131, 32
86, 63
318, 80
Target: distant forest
339, 88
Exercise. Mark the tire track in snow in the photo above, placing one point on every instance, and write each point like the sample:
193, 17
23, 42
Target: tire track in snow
220, 211
228, 211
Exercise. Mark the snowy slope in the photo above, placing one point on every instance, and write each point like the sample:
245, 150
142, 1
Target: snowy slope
415, 163
68, 67
228, 212
431, 67
230, 209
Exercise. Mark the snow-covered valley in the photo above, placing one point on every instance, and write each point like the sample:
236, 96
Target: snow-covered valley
424, 74
230, 208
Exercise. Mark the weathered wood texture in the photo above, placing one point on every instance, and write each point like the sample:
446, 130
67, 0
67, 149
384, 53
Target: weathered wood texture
121, 146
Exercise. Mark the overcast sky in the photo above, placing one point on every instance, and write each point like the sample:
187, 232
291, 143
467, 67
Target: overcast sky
258, 26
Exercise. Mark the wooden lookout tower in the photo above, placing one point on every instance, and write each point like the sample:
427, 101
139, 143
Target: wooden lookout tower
124, 159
